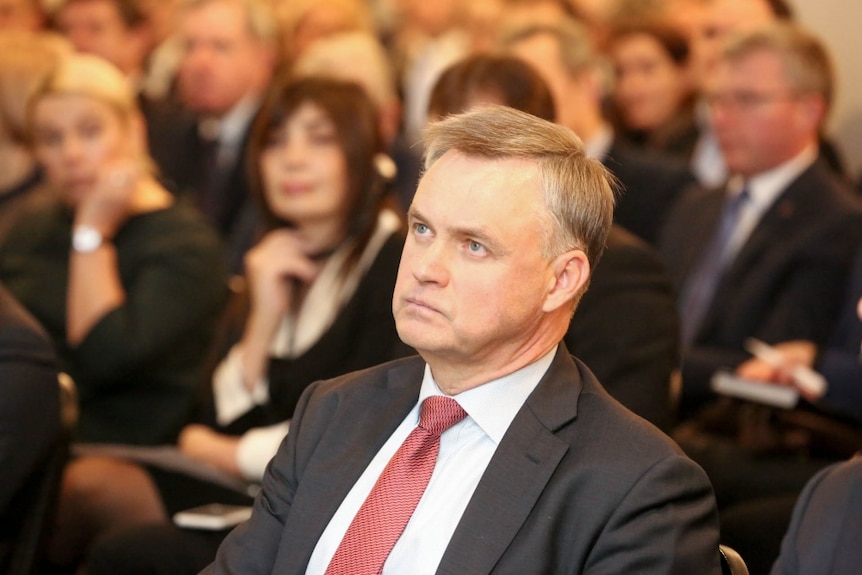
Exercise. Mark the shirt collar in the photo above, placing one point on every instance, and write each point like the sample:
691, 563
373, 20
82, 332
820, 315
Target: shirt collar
765, 187
493, 405
230, 128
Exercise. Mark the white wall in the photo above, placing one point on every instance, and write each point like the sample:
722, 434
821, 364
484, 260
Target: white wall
839, 24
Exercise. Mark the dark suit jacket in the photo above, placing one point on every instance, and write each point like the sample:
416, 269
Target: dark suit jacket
626, 327
839, 360
786, 281
825, 532
179, 151
650, 184
577, 485
29, 410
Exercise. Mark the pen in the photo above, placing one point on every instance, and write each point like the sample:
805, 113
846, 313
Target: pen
804, 378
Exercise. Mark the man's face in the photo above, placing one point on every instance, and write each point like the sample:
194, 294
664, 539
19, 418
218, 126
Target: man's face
759, 119
472, 280
222, 61
96, 27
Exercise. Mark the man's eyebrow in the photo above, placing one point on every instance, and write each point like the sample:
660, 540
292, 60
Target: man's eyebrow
478, 234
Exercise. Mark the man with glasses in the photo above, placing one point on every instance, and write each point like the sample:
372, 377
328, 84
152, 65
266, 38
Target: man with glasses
765, 256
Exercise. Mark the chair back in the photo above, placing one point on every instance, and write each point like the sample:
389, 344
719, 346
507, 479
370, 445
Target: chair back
731, 561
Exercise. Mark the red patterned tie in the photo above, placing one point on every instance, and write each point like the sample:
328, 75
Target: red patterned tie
385, 513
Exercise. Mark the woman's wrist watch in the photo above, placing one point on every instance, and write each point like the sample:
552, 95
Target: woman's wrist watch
86, 239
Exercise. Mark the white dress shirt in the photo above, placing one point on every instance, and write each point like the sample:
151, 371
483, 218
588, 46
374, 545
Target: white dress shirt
466, 449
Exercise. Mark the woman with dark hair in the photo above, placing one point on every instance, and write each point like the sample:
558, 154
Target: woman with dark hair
319, 287
653, 97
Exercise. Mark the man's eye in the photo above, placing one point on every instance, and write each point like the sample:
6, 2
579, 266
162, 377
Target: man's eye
475, 247
422, 229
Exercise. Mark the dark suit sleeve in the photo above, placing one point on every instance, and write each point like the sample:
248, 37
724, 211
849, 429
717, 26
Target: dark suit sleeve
823, 537
29, 399
665, 524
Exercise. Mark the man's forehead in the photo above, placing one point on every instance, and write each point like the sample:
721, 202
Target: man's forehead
760, 65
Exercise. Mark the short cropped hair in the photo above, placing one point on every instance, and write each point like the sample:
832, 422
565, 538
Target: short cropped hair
807, 64
261, 20
511, 81
577, 191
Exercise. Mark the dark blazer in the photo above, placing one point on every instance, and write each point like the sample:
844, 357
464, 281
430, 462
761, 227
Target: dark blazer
826, 529
29, 410
786, 281
650, 184
626, 327
839, 361
577, 485
179, 150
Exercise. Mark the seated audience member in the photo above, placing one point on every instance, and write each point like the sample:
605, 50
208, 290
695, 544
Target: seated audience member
827, 428
626, 326
710, 23
768, 254
228, 57
320, 288
564, 56
26, 59
119, 32
837, 360
653, 94
824, 534
128, 285
508, 219
29, 414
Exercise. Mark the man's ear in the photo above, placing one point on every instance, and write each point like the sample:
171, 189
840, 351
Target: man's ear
571, 272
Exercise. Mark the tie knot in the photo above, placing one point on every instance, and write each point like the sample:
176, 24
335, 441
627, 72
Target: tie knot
439, 413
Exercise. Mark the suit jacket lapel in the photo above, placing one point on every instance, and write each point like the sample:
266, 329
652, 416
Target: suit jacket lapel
327, 480
779, 221
517, 474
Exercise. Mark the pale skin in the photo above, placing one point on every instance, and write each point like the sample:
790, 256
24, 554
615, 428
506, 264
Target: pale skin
794, 353
304, 174
474, 294
93, 157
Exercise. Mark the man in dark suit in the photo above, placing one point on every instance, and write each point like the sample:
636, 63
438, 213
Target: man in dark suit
767, 255
228, 59
564, 56
542, 471
29, 413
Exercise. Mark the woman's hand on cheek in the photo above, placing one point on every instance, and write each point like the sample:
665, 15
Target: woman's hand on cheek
109, 203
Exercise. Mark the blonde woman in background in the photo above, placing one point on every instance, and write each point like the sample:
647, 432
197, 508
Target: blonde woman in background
128, 285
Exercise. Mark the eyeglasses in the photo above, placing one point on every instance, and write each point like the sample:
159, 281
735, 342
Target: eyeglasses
734, 101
